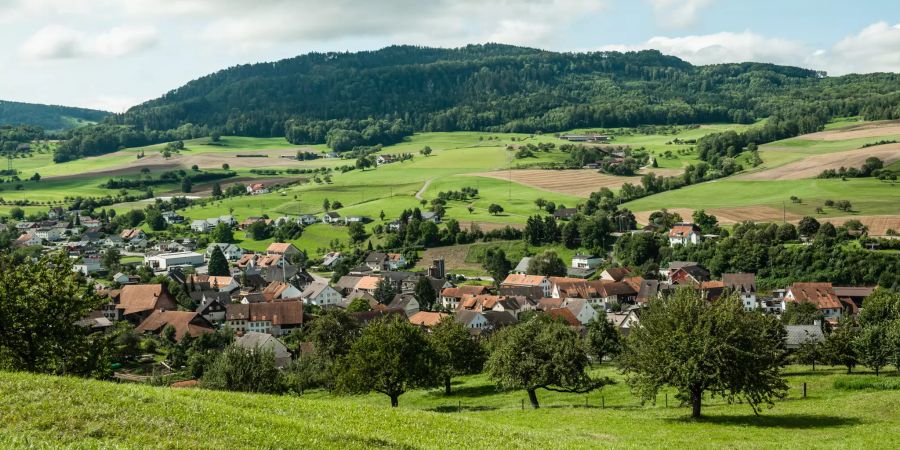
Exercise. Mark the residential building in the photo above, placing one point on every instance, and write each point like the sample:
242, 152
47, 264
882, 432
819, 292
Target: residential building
332, 217
517, 280
522, 266
137, 301
683, 234
253, 341
797, 335
164, 261
820, 294
427, 319
185, 323
744, 285
586, 262
232, 252
473, 320
319, 293
275, 318
283, 249
450, 297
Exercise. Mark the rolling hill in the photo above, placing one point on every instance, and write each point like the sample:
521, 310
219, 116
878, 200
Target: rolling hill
48, 117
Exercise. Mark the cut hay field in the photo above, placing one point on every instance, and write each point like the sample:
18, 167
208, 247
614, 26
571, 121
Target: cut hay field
578, 183
811, 166
53, 412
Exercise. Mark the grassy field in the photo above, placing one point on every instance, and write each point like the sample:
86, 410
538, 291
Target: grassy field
43, 411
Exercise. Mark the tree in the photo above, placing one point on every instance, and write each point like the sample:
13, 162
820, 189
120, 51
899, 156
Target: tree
874, 347
218, 265
155, 220
541, 354
244, 370
603, 339
839, 348
540, 203
391, 357
700, 347
495, 209
810, 352
17, 213
225, 166
357, 232
707, 222
808, 226
186, 185
259, 230
363, 162
222, 233
40, 305
425, 151
425, 294
358, 304
215, 136
458, 354
547, 264
496, 264
111, 259
801, 313
216, 190
787, 232
326, 205
384, 291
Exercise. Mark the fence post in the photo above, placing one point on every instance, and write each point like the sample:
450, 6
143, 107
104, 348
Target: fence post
523, 404
585, 401
459, 406
804, 389
667, 399
602, 401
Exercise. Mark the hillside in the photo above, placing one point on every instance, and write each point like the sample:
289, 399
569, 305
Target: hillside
501, 88
48, 117
45, 411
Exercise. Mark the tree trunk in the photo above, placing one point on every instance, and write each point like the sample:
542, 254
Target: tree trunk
696, 399
532, 396
394, 400
849, 369
447, 389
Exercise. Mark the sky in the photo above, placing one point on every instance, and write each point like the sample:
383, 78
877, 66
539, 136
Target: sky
113, 54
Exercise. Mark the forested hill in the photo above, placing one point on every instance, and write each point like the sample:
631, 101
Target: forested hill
48, 117
503, 88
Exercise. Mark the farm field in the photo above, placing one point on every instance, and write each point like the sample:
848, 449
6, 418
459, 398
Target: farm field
56, 411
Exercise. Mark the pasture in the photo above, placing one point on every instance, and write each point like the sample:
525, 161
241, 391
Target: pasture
842, 411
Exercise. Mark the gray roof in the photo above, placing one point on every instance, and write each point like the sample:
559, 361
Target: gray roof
798, 334
314, 289
522, 266
253, 340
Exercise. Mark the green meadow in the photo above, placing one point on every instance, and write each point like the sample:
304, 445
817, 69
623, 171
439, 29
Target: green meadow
840, 411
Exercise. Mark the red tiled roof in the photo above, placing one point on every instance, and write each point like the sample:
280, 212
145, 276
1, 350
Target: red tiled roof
458, 292
137, 298
820, 294
279, 313
524, 280
185, 323
425, 318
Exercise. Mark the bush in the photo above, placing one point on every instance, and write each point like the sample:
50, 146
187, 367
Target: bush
238, 369
867, 383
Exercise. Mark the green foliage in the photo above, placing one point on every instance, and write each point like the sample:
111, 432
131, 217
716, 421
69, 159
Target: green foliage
357, 232
48, 117
457, 351
699, 347
244, 370
358, 304
391, 357
541, 354
603, 339
496, 264
425, 294
218, 265
384, 291
810, 352
874, 347
801, 313
222, 233
839, 348
859, 383
40, 303
548, 264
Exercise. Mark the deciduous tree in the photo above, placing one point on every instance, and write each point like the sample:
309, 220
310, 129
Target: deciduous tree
458, 354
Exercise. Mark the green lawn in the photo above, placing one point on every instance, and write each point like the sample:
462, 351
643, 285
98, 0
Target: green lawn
44, 412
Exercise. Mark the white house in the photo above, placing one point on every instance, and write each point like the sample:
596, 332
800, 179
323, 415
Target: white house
49, 233
201, 226
743, 284
586, 261
319, 293
88, 266
232, 252
164, 261
472, 320
581, 309
683, 234
332, 217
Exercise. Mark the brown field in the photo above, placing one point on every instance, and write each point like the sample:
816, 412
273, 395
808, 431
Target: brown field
156, 162
814, 165
488, 226
877, 225
454, 257
662, 172
578, 182
729, 216
870, 129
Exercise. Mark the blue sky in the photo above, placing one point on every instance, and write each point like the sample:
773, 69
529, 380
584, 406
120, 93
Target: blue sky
112, 54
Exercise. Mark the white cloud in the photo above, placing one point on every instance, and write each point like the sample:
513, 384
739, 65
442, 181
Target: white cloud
60, 42
678, 13
874, 49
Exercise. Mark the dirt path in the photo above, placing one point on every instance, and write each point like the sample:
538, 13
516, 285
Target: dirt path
422, 191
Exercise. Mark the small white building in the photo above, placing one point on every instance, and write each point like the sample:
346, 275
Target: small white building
320, 293
684, 234
164, 261
232, 252
586, 262
88, 266
201, 226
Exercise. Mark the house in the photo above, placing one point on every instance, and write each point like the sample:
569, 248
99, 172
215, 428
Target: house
51, 234
426, 319
165, 261
586, 262
201, 226
565, 213
356, 219
797, 335
122, 278
473, 320
683, 234
517, 280
137, 301
28, 239
406, 302
248, 222
691, 275
499, 319
172, 218
626, 320
331, 217
385, 261
386, 159
185, 323
232, 252
674, 266
522, 267
276, 318
253, 340
482, 303
820, 294
56, 213
743, 284
364, 317
430, 216
330, 260
307, 219
319, 293
132, 233
852, 297
283, 249
451, 296
278, 290
88, 266
202, 282
615, 273
257, 189
581, 309
212, 305
566, 316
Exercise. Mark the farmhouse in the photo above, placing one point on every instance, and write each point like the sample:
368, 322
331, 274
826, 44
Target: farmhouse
257, 189
253, 341
516, 280
820, 294
185, 323
275, 318
331, 217
137, 301
565, 213
283, 249
165, 261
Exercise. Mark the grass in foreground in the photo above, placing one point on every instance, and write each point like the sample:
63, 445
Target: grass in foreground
42, 411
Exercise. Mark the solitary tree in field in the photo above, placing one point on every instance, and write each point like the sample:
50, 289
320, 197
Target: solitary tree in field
495, 209
701, 347
391, 357
810, 352
541, 354
458, 354
425, 151
218, 265
603, 339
